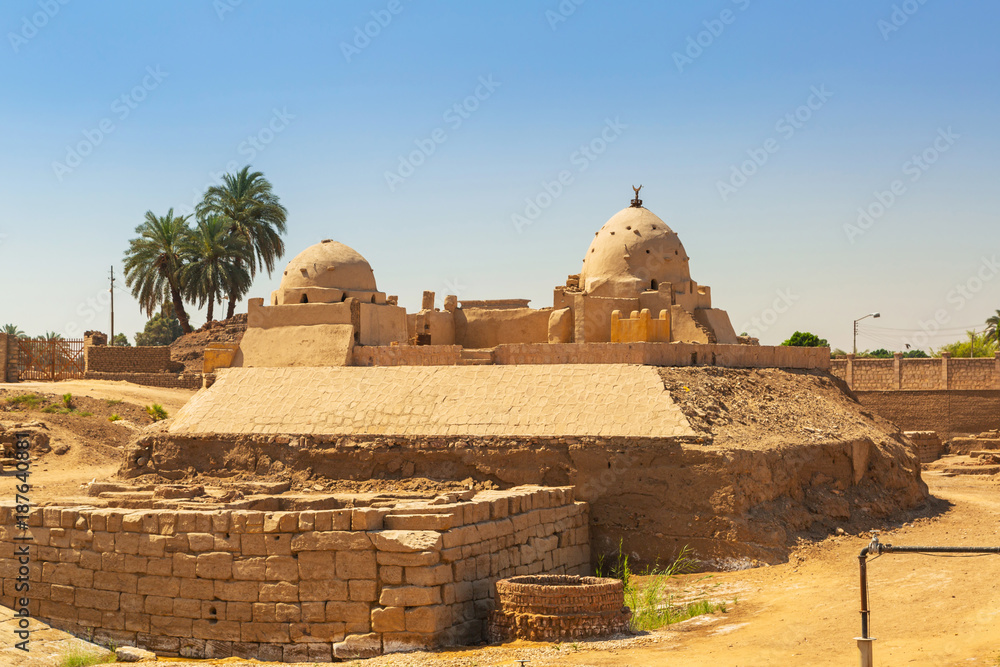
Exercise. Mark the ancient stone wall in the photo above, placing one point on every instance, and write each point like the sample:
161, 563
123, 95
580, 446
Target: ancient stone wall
899, 374
4, 356
408, 355
665, 354
659, 494
650, 354
928, 444
292, 586
949, 412
167, 380
143, 359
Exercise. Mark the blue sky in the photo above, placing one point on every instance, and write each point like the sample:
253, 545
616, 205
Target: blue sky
759, 131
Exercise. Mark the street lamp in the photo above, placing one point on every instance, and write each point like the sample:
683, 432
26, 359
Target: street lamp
875, 315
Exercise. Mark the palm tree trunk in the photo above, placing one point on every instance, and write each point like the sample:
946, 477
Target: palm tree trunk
211, 307
182, 315
231, 309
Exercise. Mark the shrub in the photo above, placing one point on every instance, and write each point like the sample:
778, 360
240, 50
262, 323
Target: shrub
652, 607
76, 656
805, 339
114, 417
67, 400
156, 411
29, 401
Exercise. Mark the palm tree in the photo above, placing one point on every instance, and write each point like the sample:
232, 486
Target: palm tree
216, 264
252, 211
12, 330
153, 264
993, 326
50, 336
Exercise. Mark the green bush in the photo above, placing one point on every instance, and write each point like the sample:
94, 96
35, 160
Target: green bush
163, 328
67, 400
29, 401
805, 339
652, 607
114, 417
156, 411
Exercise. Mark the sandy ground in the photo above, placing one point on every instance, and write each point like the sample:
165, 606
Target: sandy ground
171, 399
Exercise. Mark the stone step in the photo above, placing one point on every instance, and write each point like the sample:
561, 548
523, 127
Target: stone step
967, 445
477, 357
971, 470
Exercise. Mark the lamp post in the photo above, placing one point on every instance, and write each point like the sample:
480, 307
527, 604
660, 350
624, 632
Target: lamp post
875, 315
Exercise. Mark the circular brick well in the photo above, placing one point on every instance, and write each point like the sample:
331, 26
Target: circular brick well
558, 608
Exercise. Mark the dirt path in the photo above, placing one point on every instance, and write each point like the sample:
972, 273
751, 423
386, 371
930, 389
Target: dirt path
171, 399
925, 610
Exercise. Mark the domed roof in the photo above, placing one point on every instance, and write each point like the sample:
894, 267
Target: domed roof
329, 264
634, 251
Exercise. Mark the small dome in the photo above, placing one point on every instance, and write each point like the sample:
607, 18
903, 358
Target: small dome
329, 264
633, 252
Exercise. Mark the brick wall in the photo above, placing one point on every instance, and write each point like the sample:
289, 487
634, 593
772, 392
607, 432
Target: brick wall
166, 380
664, 354
898, 374
146, 359
407, 355
928, 445
292, 586
4, 355
950, 413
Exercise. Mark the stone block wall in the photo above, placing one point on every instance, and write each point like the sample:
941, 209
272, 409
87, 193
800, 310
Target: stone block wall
166, 380
899, 374
144, 359
948, 412
928, 444
407, 355
916, 374
650, 354
665, 354
293, 586
4, 356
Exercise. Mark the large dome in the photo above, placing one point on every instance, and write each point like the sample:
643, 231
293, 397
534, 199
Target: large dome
329, 265
634, 251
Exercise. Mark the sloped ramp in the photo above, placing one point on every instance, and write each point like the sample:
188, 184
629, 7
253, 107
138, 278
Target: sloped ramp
532, 400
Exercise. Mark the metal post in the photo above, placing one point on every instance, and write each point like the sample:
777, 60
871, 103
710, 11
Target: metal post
864, 641
865, 649
111, 341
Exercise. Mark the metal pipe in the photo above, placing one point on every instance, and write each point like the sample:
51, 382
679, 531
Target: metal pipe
876, 547
865, 612
889, 549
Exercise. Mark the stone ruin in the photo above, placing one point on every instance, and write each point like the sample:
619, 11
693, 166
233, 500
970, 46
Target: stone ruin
203, 580
558, 608
578, 423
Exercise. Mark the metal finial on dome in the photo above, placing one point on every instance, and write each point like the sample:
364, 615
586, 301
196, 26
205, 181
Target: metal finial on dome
637, 203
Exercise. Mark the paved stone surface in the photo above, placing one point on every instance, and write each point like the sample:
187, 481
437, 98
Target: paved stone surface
537, 400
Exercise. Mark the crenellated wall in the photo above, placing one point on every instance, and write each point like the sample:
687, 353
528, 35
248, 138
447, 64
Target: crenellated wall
292, 586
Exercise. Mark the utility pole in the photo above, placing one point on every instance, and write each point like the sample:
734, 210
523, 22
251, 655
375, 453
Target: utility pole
111, 341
